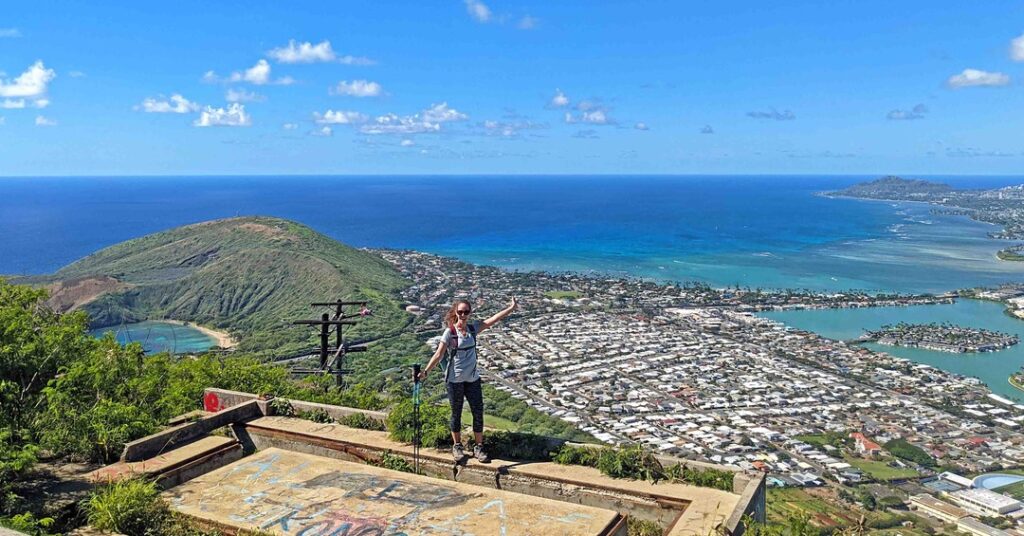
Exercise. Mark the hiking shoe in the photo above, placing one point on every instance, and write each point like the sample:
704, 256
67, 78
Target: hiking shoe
457, 452
479, 454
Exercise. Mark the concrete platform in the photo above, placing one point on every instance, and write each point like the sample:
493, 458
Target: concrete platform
288, 492
683, 508
169, 460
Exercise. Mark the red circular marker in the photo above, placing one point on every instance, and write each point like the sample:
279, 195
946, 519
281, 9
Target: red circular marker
211, 402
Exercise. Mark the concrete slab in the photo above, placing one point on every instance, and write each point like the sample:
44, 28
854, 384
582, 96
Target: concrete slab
700, 509
293, 493
170, 459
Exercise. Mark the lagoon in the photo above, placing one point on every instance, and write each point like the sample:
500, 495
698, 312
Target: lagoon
993, 368
156, 337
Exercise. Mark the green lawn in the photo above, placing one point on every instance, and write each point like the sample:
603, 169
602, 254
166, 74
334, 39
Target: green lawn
784, 503
879, 470
563, 294
1015, 490
490, 421
817, 440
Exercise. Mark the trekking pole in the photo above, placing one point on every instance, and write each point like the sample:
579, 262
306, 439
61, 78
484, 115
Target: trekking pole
416, 418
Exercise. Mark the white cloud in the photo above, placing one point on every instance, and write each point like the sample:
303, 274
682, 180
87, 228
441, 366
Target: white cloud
9, 32
559, 100
307, 52
324, 131
478, 10
590, 114
175, 105
31, 83
641, 126
1017, 48
258, 74
303, 52
784, 115
44, 122
340, 117
41, 103
355, 60
917, 112
977, 78
429, 120
232, 116
597, 117
358, 88
527, 23
408, 143
76, 74
441, 113
241, 95
12, 104
290, 126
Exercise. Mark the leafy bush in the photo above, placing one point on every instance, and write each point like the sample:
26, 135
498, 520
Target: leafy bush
317, 415
706, 478
570, 455
282, 407
362, 421
395, 462
131, 507
901, 448
16, 459
433, 424
28, 523
633, 461
637, 462
641, 527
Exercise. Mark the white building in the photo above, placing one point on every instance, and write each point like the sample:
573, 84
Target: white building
986, 502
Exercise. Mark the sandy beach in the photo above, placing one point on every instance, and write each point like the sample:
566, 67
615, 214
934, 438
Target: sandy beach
223, 339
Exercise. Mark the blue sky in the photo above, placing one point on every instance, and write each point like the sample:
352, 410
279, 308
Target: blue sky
496, 87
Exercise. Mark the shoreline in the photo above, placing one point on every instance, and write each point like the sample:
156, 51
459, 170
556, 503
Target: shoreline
223, 339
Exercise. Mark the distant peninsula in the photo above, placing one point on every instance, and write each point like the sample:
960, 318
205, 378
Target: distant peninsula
1000, 206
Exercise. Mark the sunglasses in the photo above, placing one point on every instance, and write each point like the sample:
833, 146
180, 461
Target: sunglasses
462, 312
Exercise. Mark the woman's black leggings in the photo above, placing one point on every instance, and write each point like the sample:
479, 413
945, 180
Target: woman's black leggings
470, 391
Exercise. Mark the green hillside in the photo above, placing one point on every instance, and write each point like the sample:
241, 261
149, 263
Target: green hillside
251, 276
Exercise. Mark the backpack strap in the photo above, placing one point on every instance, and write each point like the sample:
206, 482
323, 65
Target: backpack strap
453, 347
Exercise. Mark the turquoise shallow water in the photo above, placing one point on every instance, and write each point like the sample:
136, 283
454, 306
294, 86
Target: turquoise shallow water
759, 231
158, 337
992, 368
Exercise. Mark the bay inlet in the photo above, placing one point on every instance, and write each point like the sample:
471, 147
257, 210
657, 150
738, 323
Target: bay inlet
993, 368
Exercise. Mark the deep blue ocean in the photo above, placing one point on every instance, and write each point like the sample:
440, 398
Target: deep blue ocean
761, 231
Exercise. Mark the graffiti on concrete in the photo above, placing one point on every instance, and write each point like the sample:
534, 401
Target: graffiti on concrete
290, 493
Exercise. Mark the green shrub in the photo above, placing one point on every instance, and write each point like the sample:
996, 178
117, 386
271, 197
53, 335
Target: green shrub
282, 407
394, 462
633, 461
28, 523
641, 527
637, 462
570, 455
706, 478
433, 424
131, 507
901, 448
319, 415
628, 462
362, 421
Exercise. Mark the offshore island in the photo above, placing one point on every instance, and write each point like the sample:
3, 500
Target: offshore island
941, 337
